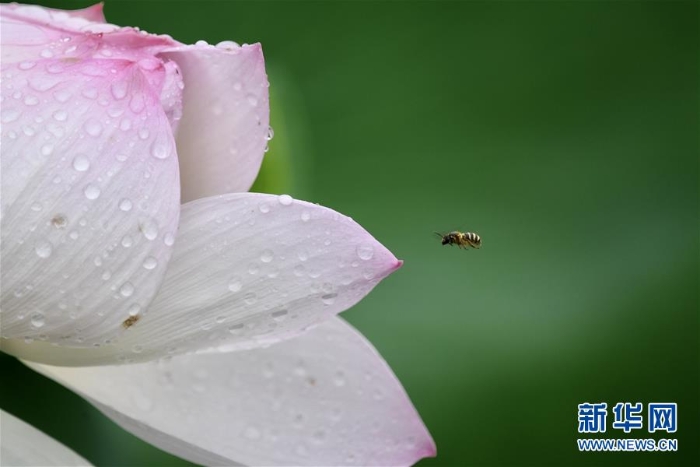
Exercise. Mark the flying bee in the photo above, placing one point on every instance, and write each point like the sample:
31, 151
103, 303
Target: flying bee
461, 239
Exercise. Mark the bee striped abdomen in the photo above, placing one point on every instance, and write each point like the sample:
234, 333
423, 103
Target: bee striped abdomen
461, 239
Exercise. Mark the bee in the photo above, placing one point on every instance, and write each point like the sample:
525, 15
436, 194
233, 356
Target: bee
461, 239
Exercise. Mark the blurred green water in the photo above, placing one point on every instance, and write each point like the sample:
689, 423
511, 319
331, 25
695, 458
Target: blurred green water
564, 133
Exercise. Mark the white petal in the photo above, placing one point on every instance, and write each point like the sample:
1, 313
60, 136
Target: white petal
23, 445
223, 133
248, 270
324, 398
89, 191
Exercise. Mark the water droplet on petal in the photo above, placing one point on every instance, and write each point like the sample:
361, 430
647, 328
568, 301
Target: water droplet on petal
46, 149
236, 328
365, 252
169, 239
285, 200
93, 128
38, 320
252, 100
125, 204
159, 150
329, 299
264, 208
339, 379
228, 45
127, 241
127, 289
119, 89
267, 256
250, 299
91, 191
43, 249
150, 262
279, 315
235, 285
81, 163
303, 254
60, 115
305, 216
134, 309
149, 230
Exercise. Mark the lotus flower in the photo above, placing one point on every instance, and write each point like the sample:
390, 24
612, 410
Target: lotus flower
207, 328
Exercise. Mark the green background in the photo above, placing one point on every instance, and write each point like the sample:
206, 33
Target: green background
564, 133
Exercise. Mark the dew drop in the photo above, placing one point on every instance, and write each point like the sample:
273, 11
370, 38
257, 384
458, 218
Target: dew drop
270, 134
303, 254
235, 285
160, 150
339, 379
267, 256
93, 128
264, 208
305, 216
285, 200
38, 320
119, 89
149, 230
329, 299
31, 100
365, 252
9, 115
137, 348
127, 241
252, 100
227, 45
91, 192
250, 299
169, 239
319, 436
43, 249
236, 328
81, 163
125, 204
150, 262
127, 289
134, 309
279, 315
36, 207
60, 115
